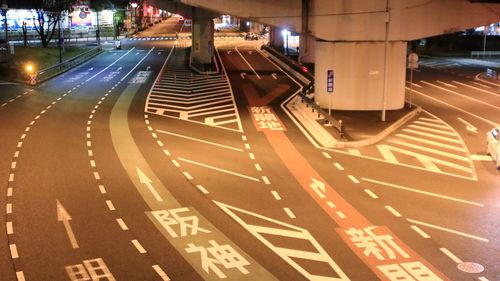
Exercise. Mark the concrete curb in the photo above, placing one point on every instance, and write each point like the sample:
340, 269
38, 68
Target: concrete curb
378, 137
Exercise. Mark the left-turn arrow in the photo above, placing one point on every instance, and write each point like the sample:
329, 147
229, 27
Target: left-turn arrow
63, 215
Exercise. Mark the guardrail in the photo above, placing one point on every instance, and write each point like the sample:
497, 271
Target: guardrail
47, 73
484, 53
307, 81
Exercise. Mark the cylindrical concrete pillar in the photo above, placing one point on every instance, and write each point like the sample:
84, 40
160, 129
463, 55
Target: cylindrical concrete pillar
358, 74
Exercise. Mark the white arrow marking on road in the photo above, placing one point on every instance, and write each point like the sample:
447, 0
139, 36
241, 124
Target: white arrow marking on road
318, 187
228, 52
274, 76
148, 68
147, 181
63, 215
468, 126
119, 68
90, 69
243, 74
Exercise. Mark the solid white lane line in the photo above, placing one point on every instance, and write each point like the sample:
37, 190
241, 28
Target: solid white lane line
218, 169
161, 273
10, 229
200, 140
450, 255
447, 84
393, 211
353, 179
102, 189
266, 180
338, 166
481, 85
371, 194
276, 195
202, 189
289, 213
111, 207
249, 65
327, 156
434, 143
13, 251
479, 89
423, 192
187, 175
122, 224
420, 231
139, 247
341, 215
449, 230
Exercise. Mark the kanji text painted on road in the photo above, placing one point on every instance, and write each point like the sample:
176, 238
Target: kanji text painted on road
265, 118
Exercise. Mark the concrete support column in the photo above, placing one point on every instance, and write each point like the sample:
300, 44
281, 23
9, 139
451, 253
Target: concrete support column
359, 73
307, 48
276, 38
202, 49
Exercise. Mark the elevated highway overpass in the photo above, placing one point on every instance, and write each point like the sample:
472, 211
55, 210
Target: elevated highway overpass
363, 41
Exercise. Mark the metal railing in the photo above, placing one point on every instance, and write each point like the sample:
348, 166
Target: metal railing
307, 81
52, 71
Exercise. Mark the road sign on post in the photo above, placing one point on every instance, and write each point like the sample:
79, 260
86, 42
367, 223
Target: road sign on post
330, 78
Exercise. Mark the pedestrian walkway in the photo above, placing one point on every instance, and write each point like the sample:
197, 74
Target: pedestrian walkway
180, 93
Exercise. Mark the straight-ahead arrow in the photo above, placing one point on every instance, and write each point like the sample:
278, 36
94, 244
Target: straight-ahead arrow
148, 182
63, 215
318, 187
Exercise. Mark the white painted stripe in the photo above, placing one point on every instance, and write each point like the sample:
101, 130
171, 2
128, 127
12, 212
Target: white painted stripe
371, 194
481, 157
89, 122
9, 191
218, 169
11, 177
16, 154
275, 195
252, 156
434, 143
479, 89
146, 116
161, 273
450, 255
20, 276
19, 144
431, 150
187, 175
166, 152
341, 215
330, 204
449, 230
431, 124
13, 251
353, 179
247, 146
266, 180
88, 129
420, 231
102, 189
8, 208
176, 163
90, 152
146, 121
92, 163
89, 135
150, 128
423, 192
432, 136
139, 247
38, 116
393, 211
10, 228
122, 224
327, 156
257, 167
32, 122
289, 213
13, 165
160, 143
97, 176
432, 130
23, 136
244, 138
111, 207
338, 166
354, 151
482, 278
154, 135
447, 84
202, 189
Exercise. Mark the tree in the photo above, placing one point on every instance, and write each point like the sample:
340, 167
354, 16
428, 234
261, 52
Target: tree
46, 18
